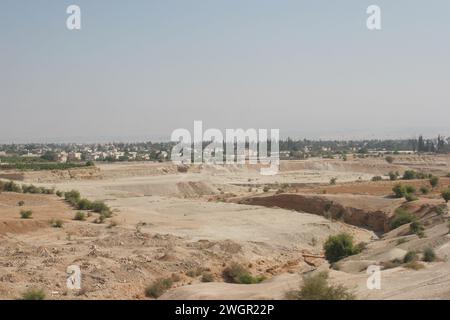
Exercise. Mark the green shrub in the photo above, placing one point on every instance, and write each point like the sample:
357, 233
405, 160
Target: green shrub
84, 204
434, 181
446, 195
33, 294
157, 288
416, 227
422, 175
409, 175
429, 255
401, 217
266, 189
72, 197
399, 190
59, 193
333, 181
195, 272
410, 256
440, 210
80, 216
393, 175
11, 186
377, 178
56, 223
401, 241
339, 246
236, 273
410, 197
410, 189
99, 207
21, 203
26, 214
425, 190
316, 287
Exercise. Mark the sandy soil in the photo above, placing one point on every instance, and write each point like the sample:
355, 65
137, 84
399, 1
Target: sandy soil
171, 222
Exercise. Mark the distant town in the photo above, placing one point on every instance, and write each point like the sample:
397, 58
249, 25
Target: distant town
21, 154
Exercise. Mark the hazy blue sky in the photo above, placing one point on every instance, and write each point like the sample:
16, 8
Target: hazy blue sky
144, 68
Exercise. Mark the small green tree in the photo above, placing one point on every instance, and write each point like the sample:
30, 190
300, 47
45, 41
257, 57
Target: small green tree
401, 217
409, 175
338, 247
434, 181
429, 255
446, 195
399, 190
416, 227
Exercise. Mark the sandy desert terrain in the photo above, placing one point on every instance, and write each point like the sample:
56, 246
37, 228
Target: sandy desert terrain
172, 222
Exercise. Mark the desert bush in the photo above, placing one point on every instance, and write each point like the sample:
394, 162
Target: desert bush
195, 272
316, 287
434, 181
377, 178
31, 189
84, 204
399, 190
410, 189
401, 217
207, 277
99, 207
409, 175
416, 227
21, 203
56, 223
333, 181
33, 294
448, 175
425, 190
11, 186
266, 189
410, 197
72, 197
429, 255
80, 216
445, 194
339, 246
440, 210
393, 175
389, 159
401, 241
59, 193
157, 288
410, 256
237, 273
26, 214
